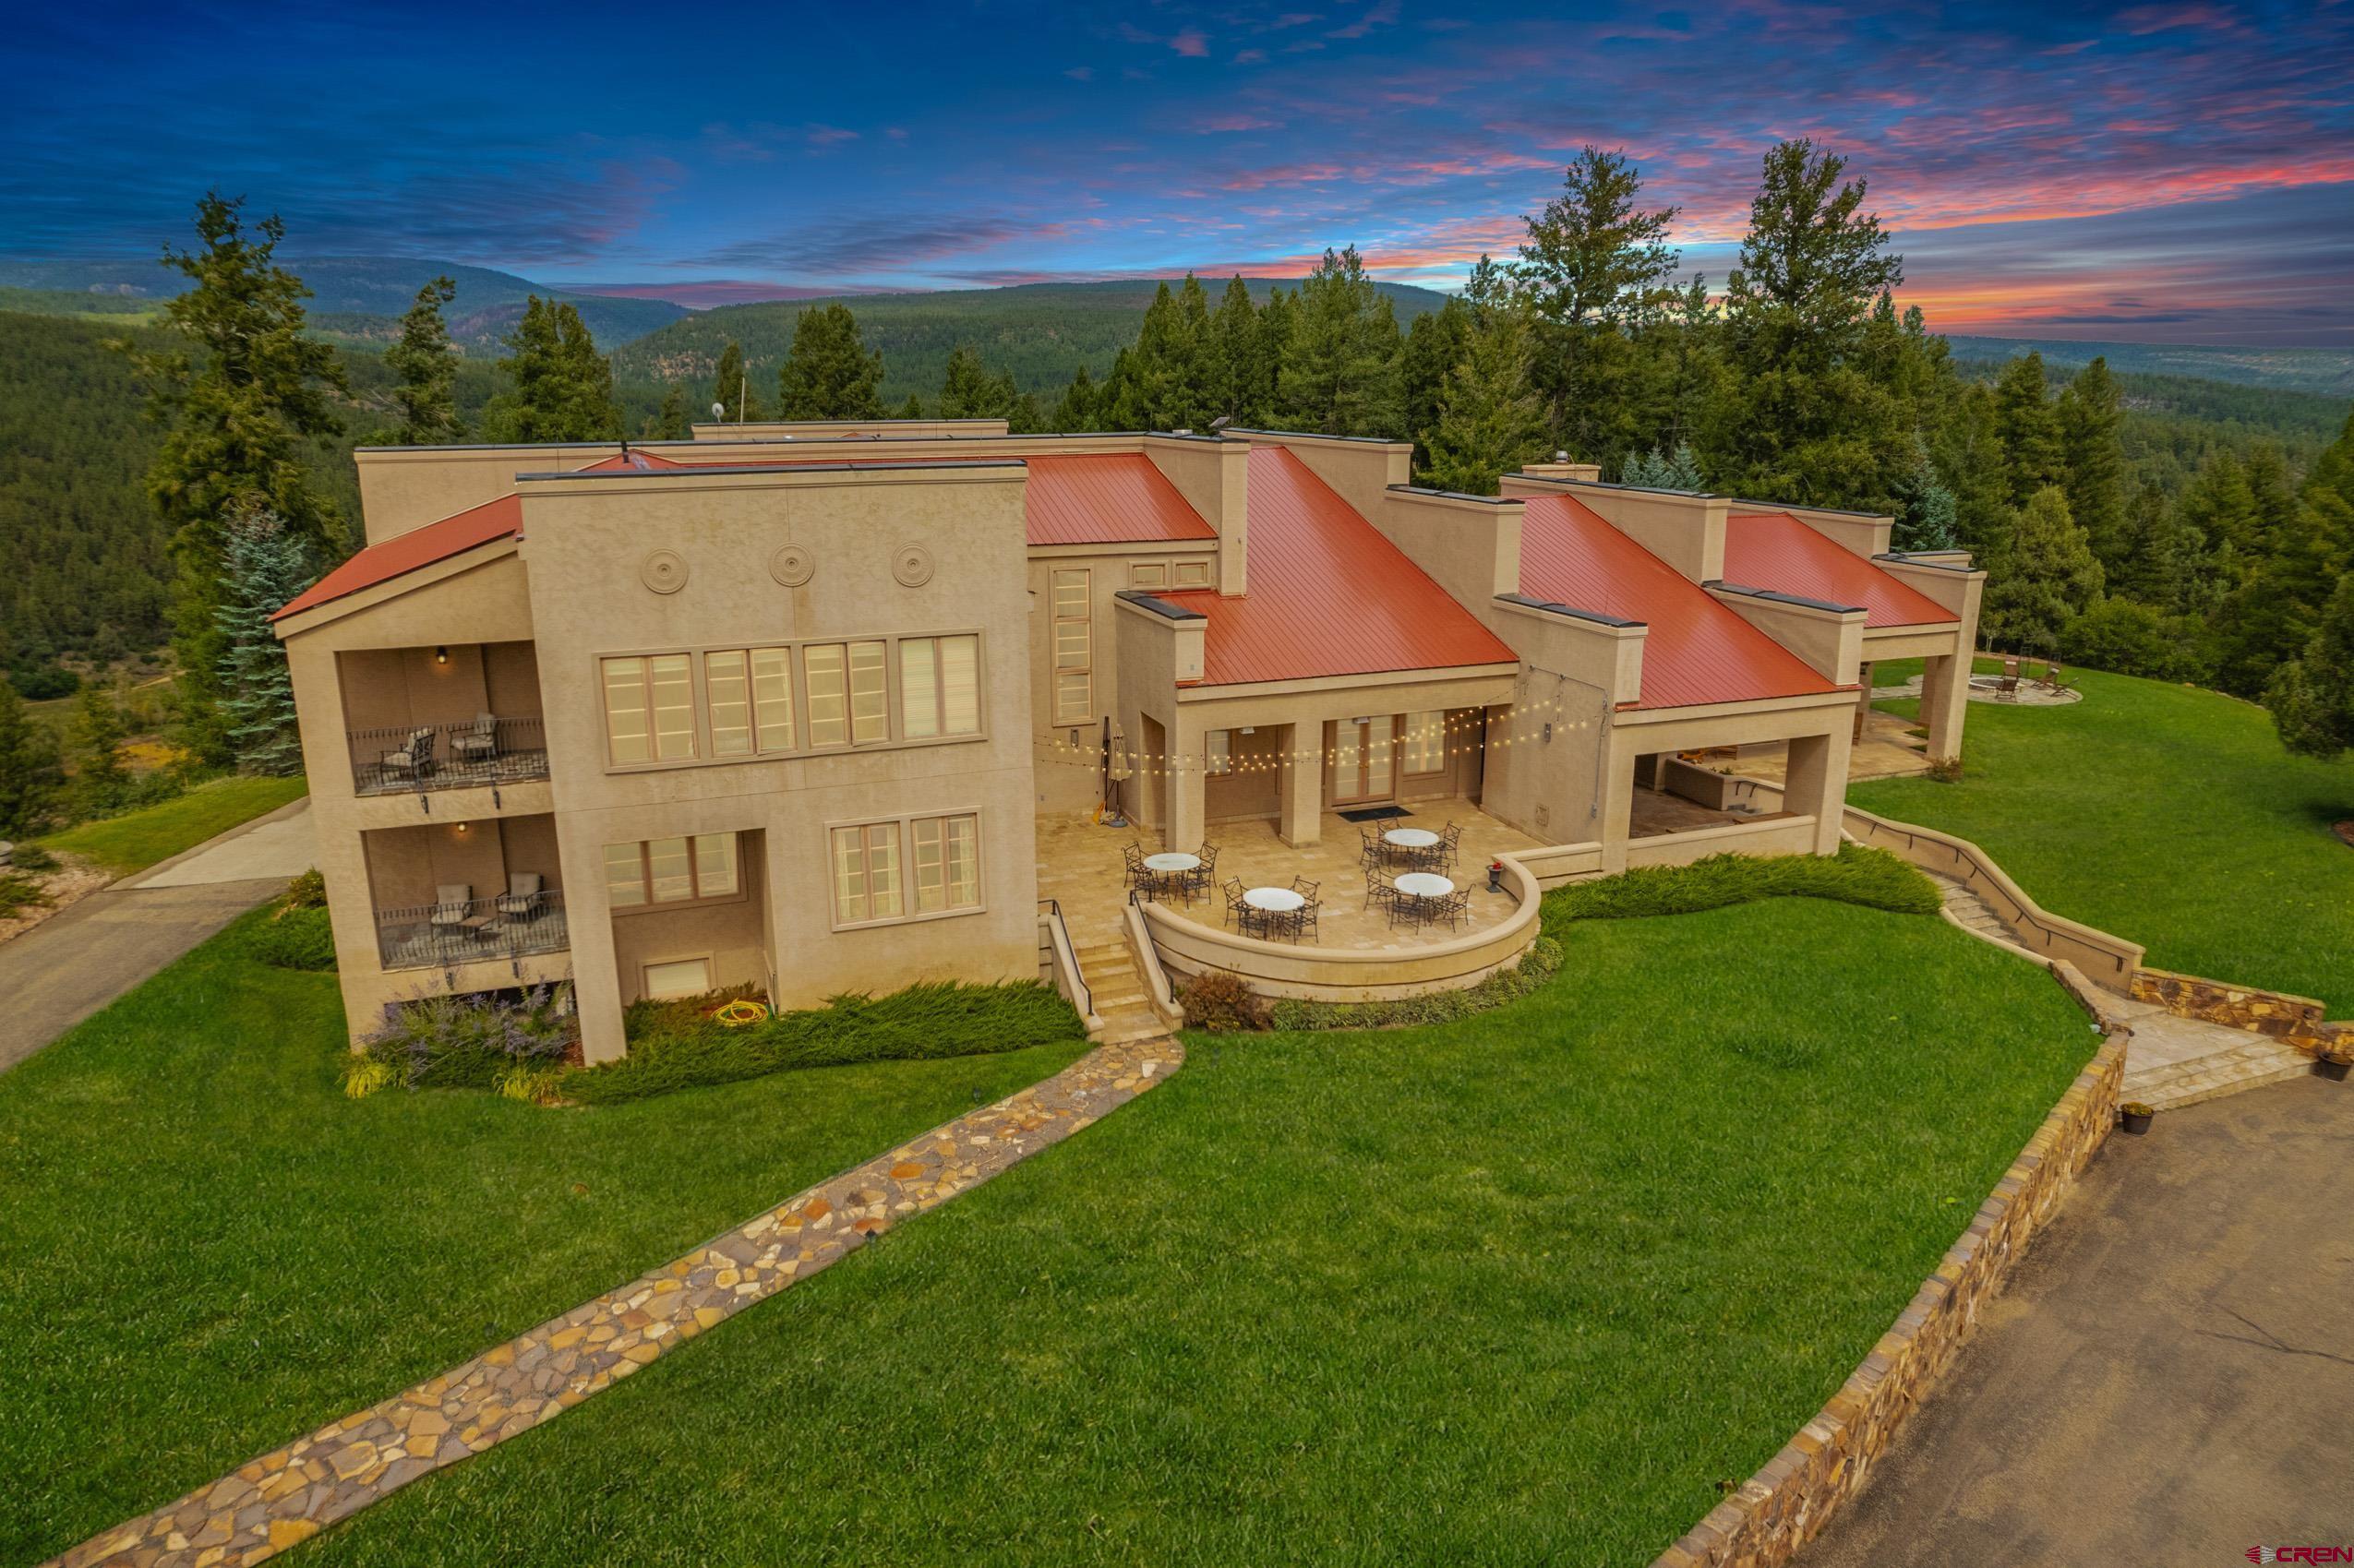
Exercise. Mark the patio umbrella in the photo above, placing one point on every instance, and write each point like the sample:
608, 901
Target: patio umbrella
1115, 771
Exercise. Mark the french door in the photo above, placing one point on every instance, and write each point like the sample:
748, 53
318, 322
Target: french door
1364, 760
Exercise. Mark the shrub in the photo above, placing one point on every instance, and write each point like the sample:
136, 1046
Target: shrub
18, 894
363, 1076
33, 858
1873, 877
1220, 1002
305, 892
2130, 639
1945, 769
676, 1045
295, 939
468, 1042
1536, 966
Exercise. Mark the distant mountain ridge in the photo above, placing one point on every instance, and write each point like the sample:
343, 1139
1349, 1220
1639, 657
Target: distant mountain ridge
2329, 371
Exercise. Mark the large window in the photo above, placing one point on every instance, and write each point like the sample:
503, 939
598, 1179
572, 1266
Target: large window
941, 857
829, 694
650, 708
1218, 748
939, 686
869, 695
1073, 650
672, 870
1425, 742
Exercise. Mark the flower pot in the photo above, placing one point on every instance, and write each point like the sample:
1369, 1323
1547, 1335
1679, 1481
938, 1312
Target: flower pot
1495, 884
2333, 1071
2134, 1121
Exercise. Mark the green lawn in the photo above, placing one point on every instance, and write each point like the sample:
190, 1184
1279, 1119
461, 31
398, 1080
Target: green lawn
1526, 1287
138, 839
2165, 814
206, 1250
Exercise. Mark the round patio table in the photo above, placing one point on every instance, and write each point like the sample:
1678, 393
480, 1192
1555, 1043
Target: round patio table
1411, 838
1171, 863
1275, 901
1425, 885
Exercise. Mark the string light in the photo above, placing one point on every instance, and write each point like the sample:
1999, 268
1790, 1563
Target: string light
1140, 764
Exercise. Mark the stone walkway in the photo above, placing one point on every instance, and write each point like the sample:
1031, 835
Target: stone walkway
291, 1494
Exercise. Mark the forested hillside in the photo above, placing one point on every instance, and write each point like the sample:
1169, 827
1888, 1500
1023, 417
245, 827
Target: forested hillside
1038, 333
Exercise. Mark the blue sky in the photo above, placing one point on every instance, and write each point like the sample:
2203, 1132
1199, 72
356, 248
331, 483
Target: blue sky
2173, 171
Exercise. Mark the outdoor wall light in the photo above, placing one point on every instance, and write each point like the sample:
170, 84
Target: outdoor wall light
442, 655
462, 828
1548, 729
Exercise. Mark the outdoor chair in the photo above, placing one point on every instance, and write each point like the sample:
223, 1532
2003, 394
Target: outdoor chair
1380, 889
1455, 908
415, 759
2009, 684
1450, 839
1303, 919
1137, 874
1238, 913
1200, 879
452, 908
522, 900
479, 744
1373, 850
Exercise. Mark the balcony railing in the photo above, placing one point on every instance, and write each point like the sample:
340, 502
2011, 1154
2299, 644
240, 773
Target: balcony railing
442, 936
468, 755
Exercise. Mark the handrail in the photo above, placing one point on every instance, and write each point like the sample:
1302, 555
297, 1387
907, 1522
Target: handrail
443, 935
1059, 942
460, 755
1157, 991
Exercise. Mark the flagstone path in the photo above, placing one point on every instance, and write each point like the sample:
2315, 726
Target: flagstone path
291, 1494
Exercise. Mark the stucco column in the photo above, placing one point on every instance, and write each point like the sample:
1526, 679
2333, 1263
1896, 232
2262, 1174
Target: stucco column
1300, 788
1617, 823
1863, 700
1186, 787
1945, 702
597, 976
1817, 781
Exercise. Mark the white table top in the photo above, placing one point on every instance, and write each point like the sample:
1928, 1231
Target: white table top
1425, 885
1282, 901
1411, 838
1175, 860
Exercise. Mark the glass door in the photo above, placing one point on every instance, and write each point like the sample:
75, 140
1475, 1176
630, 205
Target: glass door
1364, 759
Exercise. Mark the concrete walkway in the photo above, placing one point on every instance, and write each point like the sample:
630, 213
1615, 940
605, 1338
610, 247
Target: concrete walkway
66, 968
2170, 1377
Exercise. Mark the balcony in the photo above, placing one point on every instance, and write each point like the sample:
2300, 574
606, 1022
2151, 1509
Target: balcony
478, 753
472, 930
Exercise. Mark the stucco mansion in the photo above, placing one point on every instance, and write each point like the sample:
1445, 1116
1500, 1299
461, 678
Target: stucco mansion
823, 708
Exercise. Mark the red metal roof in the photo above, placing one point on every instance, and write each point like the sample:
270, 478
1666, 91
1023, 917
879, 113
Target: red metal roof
1113, 497
1775, 550
1329, 595
1696, 651
501, 519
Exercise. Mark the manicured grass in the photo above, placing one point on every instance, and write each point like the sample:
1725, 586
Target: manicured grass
206, 1250
1522, 1288
138, 839
2165, 814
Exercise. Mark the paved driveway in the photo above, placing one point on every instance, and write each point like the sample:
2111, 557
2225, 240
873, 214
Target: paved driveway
2170, 1379
67, 967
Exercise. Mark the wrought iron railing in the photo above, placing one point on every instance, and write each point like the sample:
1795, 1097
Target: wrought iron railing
399, 759
442, 936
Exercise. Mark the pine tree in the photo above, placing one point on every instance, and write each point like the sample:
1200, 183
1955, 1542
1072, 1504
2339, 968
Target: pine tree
912, 408
1659, 469
731, 388
1076, 409
1276, 319
1928, 517
1435, 345
1339, 375
99, 780
1490, 421
562, 387
969, 391
670, 422
2090, 416
265, 568
1245, 374
30, 775
2029, 427
241, 389
829, 374
2311, 697
2048, 577
428, 368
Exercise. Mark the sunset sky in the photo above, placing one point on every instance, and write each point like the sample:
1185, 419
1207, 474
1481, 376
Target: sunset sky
2179, 171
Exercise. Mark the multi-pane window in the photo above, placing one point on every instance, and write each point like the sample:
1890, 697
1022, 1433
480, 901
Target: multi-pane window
650, 708
1191, 574
869, 695
1425, 742
829, 694
672, 870
1219, 752
726, 684
773, 698
939, 686
1073, 650
1150, 574
942, 860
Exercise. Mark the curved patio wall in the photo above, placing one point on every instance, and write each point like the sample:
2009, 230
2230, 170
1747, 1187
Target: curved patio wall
2108, 961
1187, 948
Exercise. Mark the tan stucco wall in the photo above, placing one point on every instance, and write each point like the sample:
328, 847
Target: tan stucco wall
1684, 531
1360, 471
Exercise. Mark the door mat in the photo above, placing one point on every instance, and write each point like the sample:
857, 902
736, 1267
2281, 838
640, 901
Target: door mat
1374, 813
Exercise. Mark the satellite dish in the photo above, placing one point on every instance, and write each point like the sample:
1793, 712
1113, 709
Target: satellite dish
718, 413
1221, 422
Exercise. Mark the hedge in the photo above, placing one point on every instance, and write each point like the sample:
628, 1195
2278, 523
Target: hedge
1872, 878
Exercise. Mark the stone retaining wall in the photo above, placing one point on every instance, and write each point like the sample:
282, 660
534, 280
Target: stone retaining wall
2293, 1021
1786, 1504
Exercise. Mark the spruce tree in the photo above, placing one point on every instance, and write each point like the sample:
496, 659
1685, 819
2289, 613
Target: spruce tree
31, 778
2029, 427
670, 422
1339, 375
100, 779
1435, 345
1928, 516
241, 388
267, 566
912, 408
1243, 372
1076, 409
426, 367
1490, 421
1662, 470
829, 374
2048, 577
969, 391
2089, 417
1276, 318
731, 388
561, 388
2311, 697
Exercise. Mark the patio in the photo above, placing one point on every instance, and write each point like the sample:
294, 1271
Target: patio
1080, 868
1887, 750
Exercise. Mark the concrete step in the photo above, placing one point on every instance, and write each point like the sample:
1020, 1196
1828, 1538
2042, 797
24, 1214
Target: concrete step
2173, 1084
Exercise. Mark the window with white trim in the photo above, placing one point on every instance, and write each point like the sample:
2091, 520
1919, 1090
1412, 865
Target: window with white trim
650, 708
865, 873
1426, 746
939, 686
1074, 648
673, 870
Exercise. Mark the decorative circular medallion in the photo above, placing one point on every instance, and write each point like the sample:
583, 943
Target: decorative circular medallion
911, 563
665, 571
792, 565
